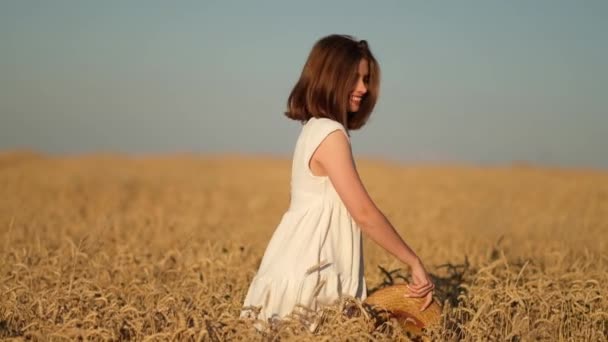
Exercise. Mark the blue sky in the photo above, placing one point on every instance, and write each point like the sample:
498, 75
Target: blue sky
479, 82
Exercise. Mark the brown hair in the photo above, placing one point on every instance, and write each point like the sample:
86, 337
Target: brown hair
328, 78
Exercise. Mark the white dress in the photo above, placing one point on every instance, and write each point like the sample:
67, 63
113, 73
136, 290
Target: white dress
315, 254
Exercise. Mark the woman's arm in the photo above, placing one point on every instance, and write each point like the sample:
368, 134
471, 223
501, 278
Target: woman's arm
334, 158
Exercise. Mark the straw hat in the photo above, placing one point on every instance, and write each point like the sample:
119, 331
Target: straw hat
406, 310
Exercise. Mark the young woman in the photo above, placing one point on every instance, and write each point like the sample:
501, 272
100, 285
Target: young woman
315, 254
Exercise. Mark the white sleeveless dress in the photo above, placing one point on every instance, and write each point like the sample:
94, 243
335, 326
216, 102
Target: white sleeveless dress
315, 254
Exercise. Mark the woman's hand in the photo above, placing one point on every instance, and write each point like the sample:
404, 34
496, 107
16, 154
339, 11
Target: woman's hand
421, 285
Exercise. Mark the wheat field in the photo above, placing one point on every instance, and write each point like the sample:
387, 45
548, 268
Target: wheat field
155, 248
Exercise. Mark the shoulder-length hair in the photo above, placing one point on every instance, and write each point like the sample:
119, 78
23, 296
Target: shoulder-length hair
328, 78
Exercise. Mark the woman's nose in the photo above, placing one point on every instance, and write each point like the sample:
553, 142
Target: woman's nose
361, 88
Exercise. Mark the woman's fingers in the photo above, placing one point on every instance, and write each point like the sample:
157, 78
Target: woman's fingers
418, 286
427, 302
421, 291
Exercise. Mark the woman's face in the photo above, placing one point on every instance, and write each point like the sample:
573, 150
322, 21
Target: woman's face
360, 89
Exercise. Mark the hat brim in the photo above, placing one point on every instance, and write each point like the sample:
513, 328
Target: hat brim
406, 310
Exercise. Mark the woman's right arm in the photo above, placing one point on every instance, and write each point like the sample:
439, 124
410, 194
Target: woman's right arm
334, 156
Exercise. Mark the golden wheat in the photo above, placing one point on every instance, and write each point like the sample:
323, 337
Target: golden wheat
109, 247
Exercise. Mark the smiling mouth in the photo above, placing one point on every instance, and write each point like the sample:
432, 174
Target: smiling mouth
356, 98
